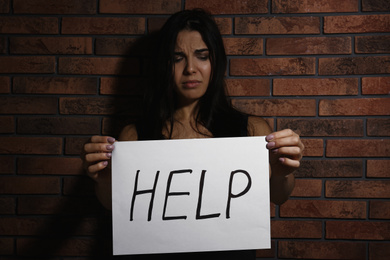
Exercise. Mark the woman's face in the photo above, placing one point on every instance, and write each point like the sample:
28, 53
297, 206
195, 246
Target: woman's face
192, 67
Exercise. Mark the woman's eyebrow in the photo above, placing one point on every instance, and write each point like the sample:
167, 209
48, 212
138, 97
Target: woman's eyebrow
201, 50
196, 51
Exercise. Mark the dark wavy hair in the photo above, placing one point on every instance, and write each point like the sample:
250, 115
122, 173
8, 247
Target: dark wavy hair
214, 108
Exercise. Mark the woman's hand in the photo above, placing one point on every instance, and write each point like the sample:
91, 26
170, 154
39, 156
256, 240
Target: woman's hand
96, 154
286, 150
285, 153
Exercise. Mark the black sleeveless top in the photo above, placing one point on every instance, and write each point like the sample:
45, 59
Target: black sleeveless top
217, 255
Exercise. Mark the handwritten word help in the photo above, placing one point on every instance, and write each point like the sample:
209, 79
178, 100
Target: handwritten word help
170, 193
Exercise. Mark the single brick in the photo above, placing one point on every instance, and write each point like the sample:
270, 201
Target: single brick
55, 7
315, 86
248, 87
4, 6
379, 209
27, 246
377, 250
224, 24
357, 189
277, 25
276, 107
140, 7
378, 127
272, 66
58, 125
375, 5
118, 46
354, 65
329, 169
323, 127
358, 148
363, 230
50, 166
21, 226
28, 25
376, 86
28, 105
103, 25
307, 188
372, 44
122, 86
323, 209
30, 145
309, 46
7, 207
313, 147
140, 46
27, 64
7, 165
5, 85
100, 106
357, 24
55, 85
243, 46
378, 168
30, 226
49, 205
322, 250
7, 246
51, 45
296, 229
29, 185
355, 107
230, 6
314, 6
73, 145
7, 125
3, 45
99, 66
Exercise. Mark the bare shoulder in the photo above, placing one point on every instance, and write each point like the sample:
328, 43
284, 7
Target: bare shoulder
257, 126
128, 133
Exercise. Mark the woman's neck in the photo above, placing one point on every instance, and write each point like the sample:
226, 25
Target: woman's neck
185, 125
187, 113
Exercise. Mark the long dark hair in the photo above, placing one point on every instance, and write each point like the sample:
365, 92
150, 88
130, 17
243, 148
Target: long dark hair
214, 108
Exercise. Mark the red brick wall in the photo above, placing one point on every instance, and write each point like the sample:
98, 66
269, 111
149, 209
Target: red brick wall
70, 69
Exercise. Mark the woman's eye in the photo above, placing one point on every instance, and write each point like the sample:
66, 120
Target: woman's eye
177, 58
203, 57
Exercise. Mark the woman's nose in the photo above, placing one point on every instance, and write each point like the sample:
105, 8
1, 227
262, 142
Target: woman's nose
190, 67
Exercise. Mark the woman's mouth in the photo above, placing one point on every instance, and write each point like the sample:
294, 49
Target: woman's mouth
191, 84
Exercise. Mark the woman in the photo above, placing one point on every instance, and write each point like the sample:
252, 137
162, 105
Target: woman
186, 99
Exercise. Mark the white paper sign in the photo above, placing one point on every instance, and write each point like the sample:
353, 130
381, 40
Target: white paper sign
190, 195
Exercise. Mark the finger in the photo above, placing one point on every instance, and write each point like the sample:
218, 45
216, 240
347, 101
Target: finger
294, 152
289, 162
285, 141
95, 157
98, 147
94, 169
102, 139
280, 134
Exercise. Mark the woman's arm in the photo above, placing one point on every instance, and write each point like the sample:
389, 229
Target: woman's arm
96, 156
285, 152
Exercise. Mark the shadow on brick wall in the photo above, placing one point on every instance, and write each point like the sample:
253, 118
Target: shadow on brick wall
75, 224
128, 88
